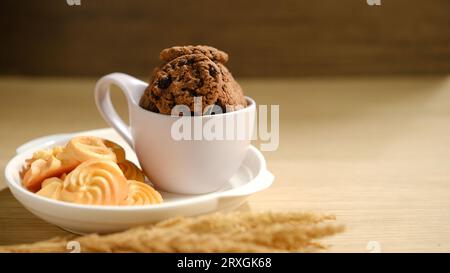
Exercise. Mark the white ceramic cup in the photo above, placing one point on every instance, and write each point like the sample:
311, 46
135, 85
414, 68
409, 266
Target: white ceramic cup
178, 166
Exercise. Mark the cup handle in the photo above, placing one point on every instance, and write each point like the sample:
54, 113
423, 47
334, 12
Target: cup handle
131, 87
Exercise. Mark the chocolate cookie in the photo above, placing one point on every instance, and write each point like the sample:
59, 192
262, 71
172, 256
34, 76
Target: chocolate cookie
212, 53
232, 94
180, 80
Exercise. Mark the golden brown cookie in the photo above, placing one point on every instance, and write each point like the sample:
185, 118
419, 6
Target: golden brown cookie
118, 150
140, 193
131, 171
51, 188
83, 148
95, 182
45, 164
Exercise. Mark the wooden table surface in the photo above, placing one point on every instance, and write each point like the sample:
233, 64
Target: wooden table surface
373, 151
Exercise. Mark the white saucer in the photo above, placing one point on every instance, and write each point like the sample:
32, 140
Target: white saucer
252, 177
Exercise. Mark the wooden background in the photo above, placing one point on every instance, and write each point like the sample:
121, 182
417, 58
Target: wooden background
265, 38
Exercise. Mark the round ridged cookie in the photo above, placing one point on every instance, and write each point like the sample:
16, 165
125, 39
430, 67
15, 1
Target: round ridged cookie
51, 188
212, 53
83, 148
95, 182
140, 193
131, 171
118, 150
182, 79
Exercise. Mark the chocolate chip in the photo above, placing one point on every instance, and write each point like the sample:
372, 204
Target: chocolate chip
191, 92
191, 61
212, 71
164, 82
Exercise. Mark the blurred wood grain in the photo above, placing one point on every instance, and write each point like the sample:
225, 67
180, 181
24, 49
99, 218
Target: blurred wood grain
264, 38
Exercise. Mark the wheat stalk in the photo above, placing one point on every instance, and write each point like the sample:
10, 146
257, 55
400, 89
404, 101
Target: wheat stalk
233, 232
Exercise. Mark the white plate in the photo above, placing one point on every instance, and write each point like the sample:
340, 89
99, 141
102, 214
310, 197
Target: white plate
252, 177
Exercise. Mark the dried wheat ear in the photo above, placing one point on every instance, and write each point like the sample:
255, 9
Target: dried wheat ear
233, 232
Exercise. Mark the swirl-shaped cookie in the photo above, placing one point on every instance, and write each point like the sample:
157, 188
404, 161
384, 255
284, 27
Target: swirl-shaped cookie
45, 164
131, 171
140, 193
84, 148
95, 182
51, 188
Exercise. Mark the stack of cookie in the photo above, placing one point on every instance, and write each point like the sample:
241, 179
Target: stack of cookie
190, 72
88, 170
